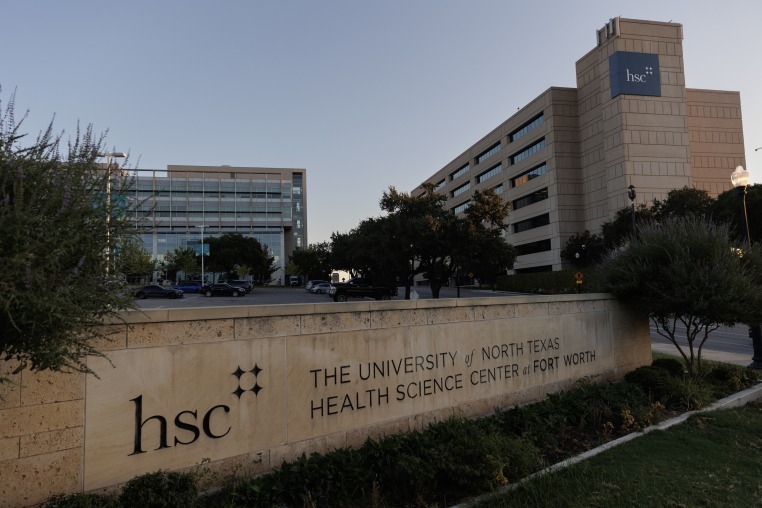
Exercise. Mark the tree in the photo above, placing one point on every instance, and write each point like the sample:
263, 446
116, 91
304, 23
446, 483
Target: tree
728, 208
133, 261
419, 236
584, 250
53, 240
686, 270
314, 261
615, 231
182, 260
682, 202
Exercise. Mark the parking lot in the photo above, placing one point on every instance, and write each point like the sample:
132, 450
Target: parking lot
269, 295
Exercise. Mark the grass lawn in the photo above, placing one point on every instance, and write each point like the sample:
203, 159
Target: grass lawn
713, 459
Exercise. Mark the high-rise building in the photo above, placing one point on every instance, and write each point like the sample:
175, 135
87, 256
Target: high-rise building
565, 161
181, 204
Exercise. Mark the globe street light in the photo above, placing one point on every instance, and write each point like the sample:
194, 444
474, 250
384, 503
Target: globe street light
740, 179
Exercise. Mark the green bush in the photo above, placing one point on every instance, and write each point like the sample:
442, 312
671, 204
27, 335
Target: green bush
672, 365
540, 282
88, 500
162, 489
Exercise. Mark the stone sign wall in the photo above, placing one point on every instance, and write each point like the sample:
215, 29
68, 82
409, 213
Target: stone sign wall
249, 387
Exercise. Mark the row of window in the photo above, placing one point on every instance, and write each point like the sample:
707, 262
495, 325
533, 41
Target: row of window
524, 129
270, 215
460, 172
532, 223
460, 190
495, 170
529, 199
528, 151
528, 175
489, 152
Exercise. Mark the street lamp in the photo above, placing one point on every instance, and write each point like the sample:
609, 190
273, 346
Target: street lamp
203, 281
740, 179
110, 156
631, 195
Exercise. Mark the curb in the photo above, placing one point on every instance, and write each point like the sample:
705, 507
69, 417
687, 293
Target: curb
736, 400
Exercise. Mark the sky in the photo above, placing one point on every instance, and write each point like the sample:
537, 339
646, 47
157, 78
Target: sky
362, 94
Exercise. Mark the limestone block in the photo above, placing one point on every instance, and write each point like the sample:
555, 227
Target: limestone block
9, 448
184, 332
449, 315
10, 389
273, 326
53, 441
292, 451
45, 387
532, 309
335, 322
490, 312
111, 337
33, 480
42, 418
395, 318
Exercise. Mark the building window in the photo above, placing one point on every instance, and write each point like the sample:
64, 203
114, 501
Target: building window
489, 152
533, 247
460, 172
529, 175
439, 185
460, 190
530, 199
528, 151
461, 207
531, 124
534, 222
499, 189
494, 170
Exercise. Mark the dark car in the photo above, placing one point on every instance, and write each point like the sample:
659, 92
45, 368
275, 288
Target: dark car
245, 284
188, 286
156, 291
222, 288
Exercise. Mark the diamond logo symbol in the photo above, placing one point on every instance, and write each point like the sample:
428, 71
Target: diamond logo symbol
239, 373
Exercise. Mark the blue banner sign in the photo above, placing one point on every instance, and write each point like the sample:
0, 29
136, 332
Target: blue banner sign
634, 74
197, 247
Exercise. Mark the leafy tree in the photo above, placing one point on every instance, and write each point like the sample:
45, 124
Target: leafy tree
314, 261
418, 236
728, 208
686, 270
615, 231
231, 250
133, 261
183, 260
584, 250
682, 202
53, 246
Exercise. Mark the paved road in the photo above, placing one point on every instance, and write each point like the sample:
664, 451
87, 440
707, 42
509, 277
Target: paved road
731, 345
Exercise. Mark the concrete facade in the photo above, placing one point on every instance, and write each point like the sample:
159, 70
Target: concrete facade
241, 389
566, 159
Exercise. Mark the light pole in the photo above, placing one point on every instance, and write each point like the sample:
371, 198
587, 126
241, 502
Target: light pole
740, 179
631, 195
109, 157
203, 281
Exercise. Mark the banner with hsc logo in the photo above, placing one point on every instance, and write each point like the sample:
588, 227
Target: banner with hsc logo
634, 74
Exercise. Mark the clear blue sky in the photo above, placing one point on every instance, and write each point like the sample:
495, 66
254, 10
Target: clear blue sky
363, 94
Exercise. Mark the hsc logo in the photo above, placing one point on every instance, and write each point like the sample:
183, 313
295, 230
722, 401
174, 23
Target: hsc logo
634, 74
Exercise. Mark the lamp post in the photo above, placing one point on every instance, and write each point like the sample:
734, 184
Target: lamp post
109, 157
631, 195
203, 281
740, 179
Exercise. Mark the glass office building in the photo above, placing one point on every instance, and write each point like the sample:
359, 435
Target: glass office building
180, 204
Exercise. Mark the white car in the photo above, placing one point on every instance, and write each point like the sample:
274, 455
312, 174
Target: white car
311, 284
321, 288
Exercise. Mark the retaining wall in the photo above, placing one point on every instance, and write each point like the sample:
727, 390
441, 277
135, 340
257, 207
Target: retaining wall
244, 388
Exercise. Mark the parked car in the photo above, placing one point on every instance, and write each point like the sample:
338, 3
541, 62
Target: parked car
361, 288
222, 288
321, 288
188, 286
311, 284
156, 291
245, 284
